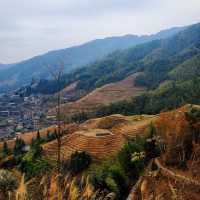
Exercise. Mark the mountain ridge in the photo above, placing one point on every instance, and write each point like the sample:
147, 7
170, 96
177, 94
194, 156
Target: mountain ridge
72, 58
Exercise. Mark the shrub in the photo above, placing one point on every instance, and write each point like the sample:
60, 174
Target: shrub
79, 161
112, 185
110, 175
125, 156
18, 148
8, 182
6, 151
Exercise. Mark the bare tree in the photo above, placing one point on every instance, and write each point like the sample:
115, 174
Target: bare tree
57, 76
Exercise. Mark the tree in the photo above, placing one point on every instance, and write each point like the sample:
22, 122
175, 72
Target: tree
38, 135
18, 148
58, 78
79, 161
6, 150
152, 147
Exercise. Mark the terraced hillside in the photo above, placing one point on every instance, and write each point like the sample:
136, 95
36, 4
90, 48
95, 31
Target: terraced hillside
27, 137
109, 93
100, 137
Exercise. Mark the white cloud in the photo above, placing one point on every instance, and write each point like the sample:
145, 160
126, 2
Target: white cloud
28, 28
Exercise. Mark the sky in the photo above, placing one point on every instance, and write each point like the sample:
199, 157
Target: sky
33, 27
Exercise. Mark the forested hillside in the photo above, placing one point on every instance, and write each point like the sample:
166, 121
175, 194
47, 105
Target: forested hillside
170, 70
159, 60
72, 58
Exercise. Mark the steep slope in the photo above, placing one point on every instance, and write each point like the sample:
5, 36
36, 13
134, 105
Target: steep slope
169, 67
72, 58
155, 59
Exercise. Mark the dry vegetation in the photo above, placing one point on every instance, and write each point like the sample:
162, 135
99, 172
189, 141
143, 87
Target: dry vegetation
100, 137
27, 137
106, 94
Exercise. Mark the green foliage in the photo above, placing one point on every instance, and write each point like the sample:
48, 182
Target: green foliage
7, 182
5, 151
156, 59
79, 161
110, 175
168, 96
19, 146
38, 135
31, 163
32, 167
153, 143
112, 185
125, 156
79, 117
117, 172
193, 115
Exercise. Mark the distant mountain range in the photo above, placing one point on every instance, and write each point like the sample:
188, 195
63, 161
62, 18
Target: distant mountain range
75, 57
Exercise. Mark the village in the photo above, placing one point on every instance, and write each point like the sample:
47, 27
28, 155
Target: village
20, 114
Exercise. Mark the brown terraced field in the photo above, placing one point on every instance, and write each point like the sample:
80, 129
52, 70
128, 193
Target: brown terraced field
113, 92
100, 137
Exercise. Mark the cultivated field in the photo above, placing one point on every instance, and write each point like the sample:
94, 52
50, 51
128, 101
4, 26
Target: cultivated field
100, 137
113, 92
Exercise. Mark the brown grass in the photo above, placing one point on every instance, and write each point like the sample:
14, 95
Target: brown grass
113, 92
100, 145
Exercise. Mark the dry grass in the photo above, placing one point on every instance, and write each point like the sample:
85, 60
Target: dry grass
100, 145
64, 186
113, 92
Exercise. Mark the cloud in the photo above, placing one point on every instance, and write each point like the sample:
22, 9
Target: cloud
32, 27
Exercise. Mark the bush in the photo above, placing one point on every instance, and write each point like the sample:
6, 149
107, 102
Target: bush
112, 185
19, 145
6, 151
8, 182
125, 156
110, 175
31, 163
79, 161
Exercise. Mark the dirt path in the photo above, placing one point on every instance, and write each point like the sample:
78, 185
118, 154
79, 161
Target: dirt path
176, 176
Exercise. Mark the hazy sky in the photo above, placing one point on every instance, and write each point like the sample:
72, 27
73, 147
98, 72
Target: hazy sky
31, 27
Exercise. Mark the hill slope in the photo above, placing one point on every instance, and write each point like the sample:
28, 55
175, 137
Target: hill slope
72, 58
109, 93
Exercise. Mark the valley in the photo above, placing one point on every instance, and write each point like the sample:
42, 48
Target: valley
121, 121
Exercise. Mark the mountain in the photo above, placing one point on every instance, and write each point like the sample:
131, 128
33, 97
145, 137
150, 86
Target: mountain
23, 72
169, 69
155, 59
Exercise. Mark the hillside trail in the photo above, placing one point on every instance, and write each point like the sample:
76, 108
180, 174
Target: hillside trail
176, 176
165, 172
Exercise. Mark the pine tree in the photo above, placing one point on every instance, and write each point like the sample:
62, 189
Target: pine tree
6, 150
38, 135
19, 145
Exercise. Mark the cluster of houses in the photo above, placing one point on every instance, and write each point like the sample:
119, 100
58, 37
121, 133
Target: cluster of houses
21, 114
